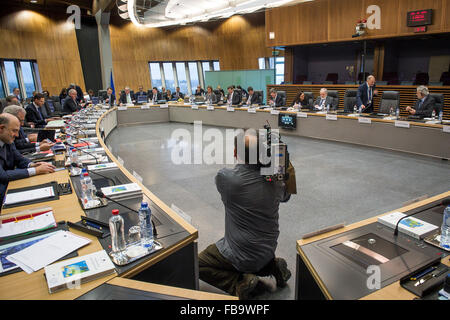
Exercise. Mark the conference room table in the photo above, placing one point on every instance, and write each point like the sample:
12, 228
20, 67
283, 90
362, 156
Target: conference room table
171, 272
319, 280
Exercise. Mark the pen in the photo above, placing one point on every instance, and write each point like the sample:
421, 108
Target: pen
426, 271
93, 225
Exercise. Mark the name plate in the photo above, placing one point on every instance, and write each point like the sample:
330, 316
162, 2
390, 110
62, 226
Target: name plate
364, 120
446, 129
401, 124
164, 106
194, 107
137, 176
230, 109
210, 108
145, 107
331, 117
251, 110
122, 108
275, 112
302, 115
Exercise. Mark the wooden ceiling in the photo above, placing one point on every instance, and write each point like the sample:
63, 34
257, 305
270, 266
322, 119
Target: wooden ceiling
83, 4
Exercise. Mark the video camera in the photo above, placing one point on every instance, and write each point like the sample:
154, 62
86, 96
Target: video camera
277, 152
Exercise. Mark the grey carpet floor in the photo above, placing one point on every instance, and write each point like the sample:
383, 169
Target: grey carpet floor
337, 183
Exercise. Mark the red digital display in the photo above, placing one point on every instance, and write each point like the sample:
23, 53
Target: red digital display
419, 18
420, 29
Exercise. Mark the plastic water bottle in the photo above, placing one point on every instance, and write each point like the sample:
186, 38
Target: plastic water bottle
328, 108
397, 112
87, 186
73, 156
116, 228
445, 229
441, 114
145, 219
433, 114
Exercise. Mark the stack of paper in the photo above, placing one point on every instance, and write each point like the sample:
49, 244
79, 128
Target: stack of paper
411, 226
102, 166
56, 124
123, 192
73, 272
29, 195
27, 223
47, 251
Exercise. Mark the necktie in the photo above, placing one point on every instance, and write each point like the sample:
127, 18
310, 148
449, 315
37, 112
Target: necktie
40, 114
322, 103
420, 105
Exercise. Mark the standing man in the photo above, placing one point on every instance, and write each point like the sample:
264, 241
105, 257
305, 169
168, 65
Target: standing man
366, 92
13, 165
251, 226
424, 104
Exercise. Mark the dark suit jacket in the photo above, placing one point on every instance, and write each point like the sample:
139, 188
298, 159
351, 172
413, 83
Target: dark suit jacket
328, 100
181, 95
70, 106
34, 116
236, 97
255, 98
362, 97
212, 96
158, 96
112, 99
21, 143
14, 167
427, 107
123, 97
278, 100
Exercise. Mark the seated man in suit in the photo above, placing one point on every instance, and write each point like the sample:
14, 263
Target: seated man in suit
275, 100
140, 92
164, 94
424, 105
22, 142
233, 98
13, 165
16, 93
155, 96
12, 101
323, 100
364, 97
210, 97
253, 97
199, 91
35, 112
71, 104
109, 97
127, 97
77, 88
178, 94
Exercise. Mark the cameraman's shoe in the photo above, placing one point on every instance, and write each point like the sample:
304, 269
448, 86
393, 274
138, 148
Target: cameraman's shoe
281, 272
246, 286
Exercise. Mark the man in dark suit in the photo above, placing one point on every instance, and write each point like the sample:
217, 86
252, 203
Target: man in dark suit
199, 91
178, 94
108, 97
13, 165
275, 100
16, 93
71, 104
22, 142
35, 113
155, 96
366, 92
77, 88
233, 97
424, 105
127, 97
210, 97
253, 97
323, 100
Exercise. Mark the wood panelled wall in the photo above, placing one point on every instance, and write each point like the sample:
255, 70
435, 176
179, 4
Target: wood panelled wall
236, 42
323, 21
46, 38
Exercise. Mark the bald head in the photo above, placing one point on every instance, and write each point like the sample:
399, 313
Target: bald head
9, 127
246, 148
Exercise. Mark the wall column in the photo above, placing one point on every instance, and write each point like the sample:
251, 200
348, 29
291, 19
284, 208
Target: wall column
105, 46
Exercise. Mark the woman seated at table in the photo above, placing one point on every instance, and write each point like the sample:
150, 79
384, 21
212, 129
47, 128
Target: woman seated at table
299, 101
169, 95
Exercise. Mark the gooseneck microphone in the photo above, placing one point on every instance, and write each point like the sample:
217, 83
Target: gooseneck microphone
73, 164
445, 202
102, 195
88, 153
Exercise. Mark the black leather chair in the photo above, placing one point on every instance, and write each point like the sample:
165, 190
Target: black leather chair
101, 93
422, 78
283, 95
309, 97
260, 94
333, 77
439, 105
350, 99
389, 99
335, 95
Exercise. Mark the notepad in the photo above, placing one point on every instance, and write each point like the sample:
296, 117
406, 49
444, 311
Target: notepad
29, 195
47, 251
23, 224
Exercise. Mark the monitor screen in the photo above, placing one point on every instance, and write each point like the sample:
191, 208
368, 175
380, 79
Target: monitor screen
419, 18
287, 121
142, 99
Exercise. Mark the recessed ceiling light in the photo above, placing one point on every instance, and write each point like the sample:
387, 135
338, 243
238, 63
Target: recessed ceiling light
33, 1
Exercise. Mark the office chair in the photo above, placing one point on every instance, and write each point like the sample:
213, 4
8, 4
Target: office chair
350, 99
283, 95
439, 104
422, 78
389, 99
335, 95
309, 97
101, 93
260, 95
332, 77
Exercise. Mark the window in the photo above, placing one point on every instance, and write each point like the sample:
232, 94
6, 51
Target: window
27, 76
11, 76
184, 74
279, 70
22, 74
181, 75
193, 76
169, 78
262, 63
155, 73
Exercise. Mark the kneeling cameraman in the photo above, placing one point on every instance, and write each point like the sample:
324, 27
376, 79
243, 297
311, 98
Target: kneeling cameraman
247, 251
